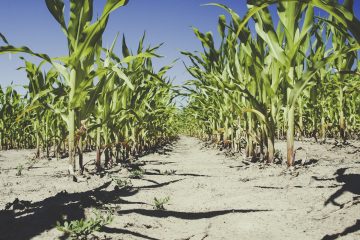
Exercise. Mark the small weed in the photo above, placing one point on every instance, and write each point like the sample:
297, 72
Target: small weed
31, 162
81, 229
19, 169
137, 174
170, 172
160, 202
123, 184
278, 156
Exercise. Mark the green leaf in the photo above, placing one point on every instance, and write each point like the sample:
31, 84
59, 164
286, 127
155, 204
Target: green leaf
123, 76
12, 49
4, 39
125, 49
56, 8
91, 35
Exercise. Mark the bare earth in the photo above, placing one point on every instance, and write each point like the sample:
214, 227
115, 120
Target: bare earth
211, 196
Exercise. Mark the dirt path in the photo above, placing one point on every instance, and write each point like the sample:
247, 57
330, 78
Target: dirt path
211, 196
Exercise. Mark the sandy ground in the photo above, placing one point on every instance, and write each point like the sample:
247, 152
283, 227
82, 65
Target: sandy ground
211, 196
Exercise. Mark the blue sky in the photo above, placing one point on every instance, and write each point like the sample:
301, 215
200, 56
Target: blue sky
29, 23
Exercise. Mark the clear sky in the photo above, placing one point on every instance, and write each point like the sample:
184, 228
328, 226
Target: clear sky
29, 23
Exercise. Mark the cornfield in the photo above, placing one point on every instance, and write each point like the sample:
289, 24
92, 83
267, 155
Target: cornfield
278, 73
284, 81
92, 98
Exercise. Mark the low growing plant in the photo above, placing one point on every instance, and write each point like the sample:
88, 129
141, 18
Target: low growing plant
81, 229
170, 172
19, 169
137, 174
121, 184
160, 202
278, 156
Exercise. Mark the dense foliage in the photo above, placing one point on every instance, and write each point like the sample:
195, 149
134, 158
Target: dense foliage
91, 99
299, 77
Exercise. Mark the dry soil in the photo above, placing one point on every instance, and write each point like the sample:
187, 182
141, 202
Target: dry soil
212, 196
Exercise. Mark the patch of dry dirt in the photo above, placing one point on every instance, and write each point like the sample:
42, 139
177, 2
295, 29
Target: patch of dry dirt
211, 196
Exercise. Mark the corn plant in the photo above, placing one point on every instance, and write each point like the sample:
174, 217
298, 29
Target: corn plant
290, 13
83, 37
121, 106
253, 86
13, 133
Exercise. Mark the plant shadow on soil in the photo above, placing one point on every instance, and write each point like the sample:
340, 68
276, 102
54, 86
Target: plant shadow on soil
348, 230
350, 183
156, 172
26, 219
165, 150
187, 215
